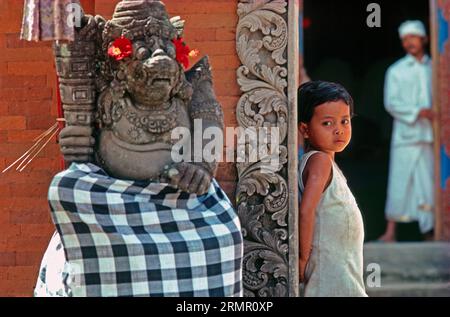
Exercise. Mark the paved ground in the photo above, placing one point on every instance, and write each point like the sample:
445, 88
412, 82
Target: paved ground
409, 269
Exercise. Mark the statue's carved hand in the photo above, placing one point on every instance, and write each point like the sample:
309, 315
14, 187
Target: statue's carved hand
191, 178
77, 144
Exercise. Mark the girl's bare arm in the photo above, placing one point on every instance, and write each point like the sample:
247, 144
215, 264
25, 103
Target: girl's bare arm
316, 177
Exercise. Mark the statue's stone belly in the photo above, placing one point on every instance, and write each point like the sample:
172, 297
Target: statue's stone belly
131, 161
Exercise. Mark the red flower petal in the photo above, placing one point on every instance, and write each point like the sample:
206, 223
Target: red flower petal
120, 48
183, 52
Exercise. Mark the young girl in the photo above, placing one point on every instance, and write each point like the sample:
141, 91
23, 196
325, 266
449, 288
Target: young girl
331, 227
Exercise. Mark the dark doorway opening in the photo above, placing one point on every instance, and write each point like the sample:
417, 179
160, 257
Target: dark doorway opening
340, 47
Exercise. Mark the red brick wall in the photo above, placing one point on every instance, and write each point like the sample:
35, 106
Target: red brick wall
27, 82
27, 108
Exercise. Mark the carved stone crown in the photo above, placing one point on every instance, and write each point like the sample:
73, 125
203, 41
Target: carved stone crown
139, 19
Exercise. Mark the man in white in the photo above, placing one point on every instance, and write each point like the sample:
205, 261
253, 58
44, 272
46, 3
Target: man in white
407, 98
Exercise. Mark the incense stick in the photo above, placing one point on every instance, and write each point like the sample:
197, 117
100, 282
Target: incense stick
35, 145
40, 149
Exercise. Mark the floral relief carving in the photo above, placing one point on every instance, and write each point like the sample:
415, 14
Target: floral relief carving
262, 192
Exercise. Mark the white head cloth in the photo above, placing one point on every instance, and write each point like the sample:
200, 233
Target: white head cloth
409, 27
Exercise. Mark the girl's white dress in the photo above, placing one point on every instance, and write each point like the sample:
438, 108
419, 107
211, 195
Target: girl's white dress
335, 267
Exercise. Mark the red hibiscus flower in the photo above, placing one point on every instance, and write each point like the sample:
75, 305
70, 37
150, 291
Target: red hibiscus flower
183, 52
120, 48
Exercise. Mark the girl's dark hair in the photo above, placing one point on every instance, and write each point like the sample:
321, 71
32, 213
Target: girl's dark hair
315, 93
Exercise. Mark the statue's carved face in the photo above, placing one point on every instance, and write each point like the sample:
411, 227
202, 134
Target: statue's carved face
153, 75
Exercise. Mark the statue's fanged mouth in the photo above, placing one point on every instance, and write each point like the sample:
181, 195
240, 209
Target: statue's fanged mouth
161, 81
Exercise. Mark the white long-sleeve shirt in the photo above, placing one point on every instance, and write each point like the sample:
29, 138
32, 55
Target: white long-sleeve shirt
407, 90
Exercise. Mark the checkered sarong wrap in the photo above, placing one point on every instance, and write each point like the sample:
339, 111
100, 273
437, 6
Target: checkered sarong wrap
128, 238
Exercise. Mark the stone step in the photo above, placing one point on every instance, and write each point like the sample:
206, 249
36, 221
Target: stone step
410, 262
411, 290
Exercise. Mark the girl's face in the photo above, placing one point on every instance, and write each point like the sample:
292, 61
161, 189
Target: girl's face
330, 128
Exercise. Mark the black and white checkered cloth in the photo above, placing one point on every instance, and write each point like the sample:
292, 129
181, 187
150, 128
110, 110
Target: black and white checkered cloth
127, 238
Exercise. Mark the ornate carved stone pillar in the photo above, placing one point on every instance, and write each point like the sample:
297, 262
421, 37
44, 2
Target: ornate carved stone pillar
267, 45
